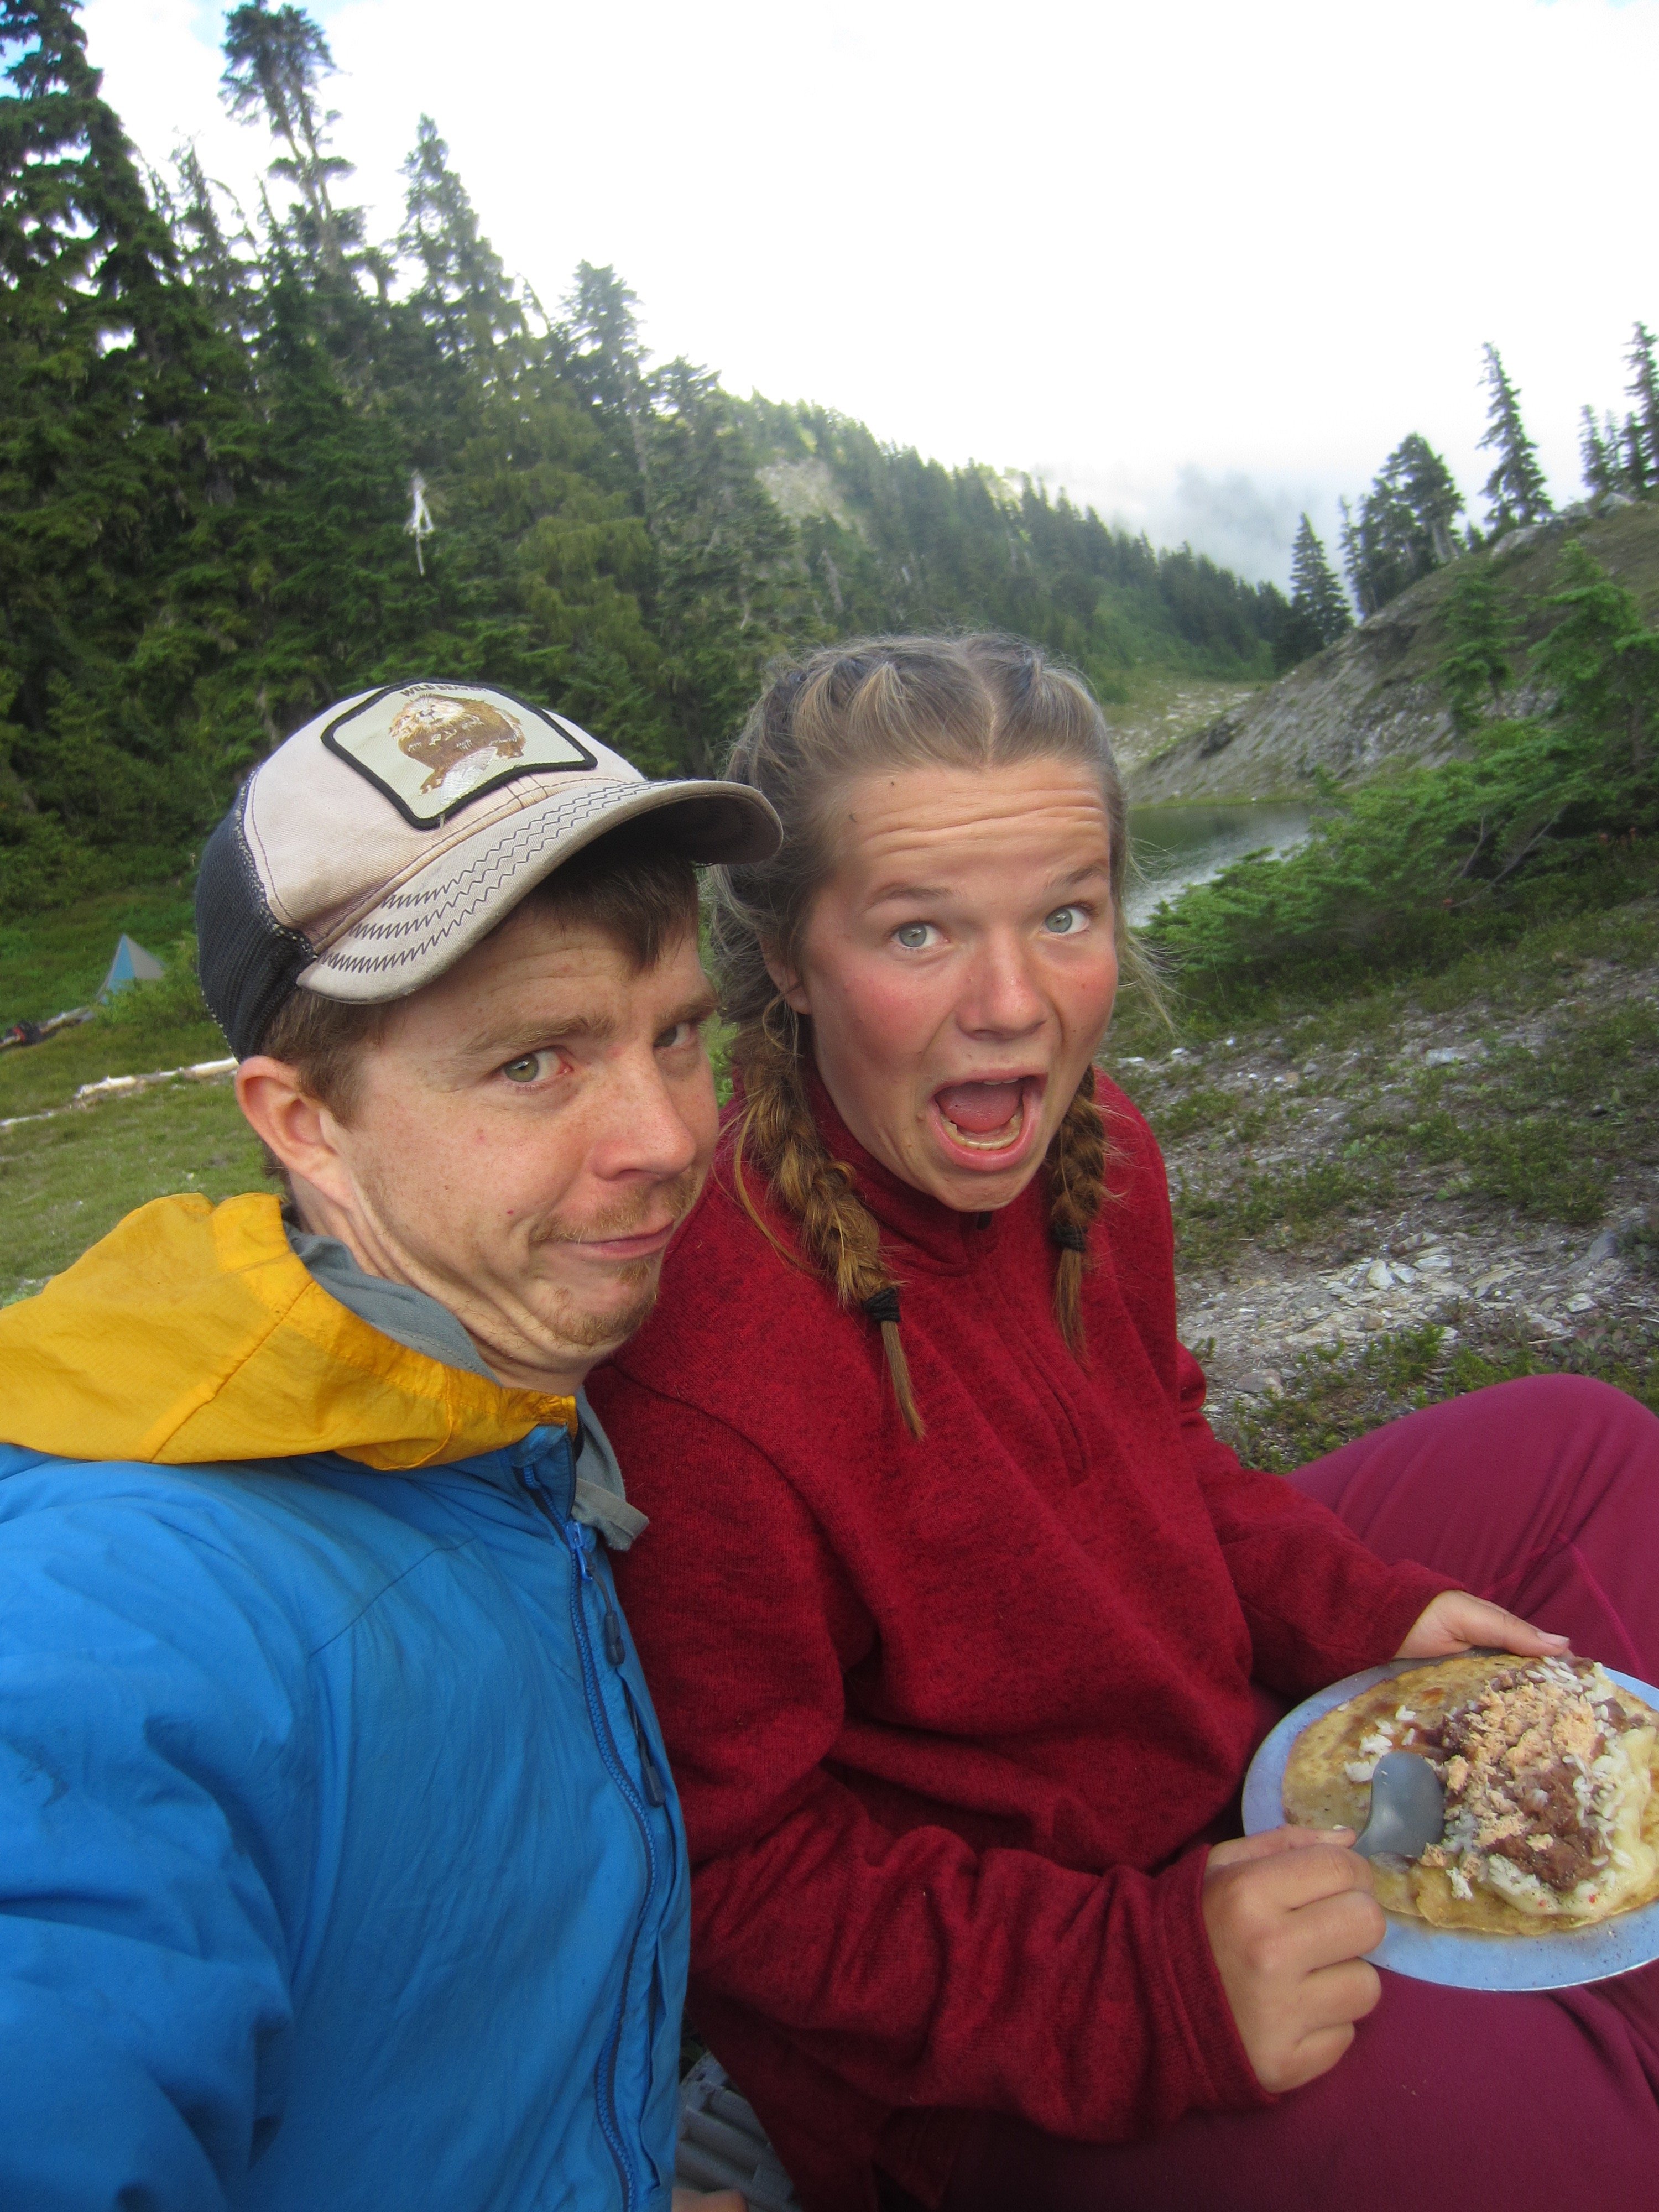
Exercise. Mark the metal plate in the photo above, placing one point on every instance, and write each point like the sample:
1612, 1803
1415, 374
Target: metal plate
1462, 1958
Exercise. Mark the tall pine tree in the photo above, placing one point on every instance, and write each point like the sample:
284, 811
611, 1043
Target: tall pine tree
465, 296
1406, 525
1600, 463
275, 62
1319, 614
1426, 486
121, 429
1516, 491
1643, 389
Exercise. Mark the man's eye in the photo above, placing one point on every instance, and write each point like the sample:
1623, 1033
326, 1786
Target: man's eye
1066, 921
524, 1071
913, 935
677, 1039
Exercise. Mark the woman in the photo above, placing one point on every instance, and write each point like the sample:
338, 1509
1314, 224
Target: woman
963, 1627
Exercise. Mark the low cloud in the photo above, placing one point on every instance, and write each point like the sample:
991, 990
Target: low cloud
1242, 523
1231, 518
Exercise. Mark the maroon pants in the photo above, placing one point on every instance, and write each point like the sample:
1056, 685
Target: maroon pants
1543, 1495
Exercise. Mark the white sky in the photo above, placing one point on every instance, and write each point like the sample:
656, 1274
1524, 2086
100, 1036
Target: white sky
1201, 262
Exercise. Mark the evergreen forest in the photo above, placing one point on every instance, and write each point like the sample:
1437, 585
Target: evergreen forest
252, 460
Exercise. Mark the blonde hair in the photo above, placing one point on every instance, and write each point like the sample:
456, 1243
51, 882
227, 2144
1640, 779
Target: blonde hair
896, 702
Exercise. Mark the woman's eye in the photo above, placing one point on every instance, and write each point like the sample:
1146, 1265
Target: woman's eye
913, 935
1066, 921
524, 1071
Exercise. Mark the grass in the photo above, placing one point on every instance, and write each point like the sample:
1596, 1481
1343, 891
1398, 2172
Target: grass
1539, 1130
56, 960
50, 1073
65, 1183
67, 1180
1279, 1208
1330, 1397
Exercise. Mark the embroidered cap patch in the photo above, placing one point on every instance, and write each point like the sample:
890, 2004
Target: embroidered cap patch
433, 747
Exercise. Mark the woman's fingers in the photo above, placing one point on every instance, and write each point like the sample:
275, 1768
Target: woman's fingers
1315, 2055
1264, 1845
1289, 1929
1337, 1996
1456, 1621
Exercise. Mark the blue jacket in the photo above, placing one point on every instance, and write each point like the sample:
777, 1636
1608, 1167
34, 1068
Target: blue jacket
337, 1866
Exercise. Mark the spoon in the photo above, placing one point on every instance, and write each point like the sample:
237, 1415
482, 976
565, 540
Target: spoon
1408, 1806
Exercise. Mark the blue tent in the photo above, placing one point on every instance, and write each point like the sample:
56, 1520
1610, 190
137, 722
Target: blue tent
132, 965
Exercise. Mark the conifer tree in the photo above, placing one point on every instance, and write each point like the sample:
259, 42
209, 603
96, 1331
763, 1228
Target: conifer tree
276, 60
1481, 637
1613, 438
224, 278
1353, 562
607, 361
1405, 523
726, 561
1601, 659
1637, 474
1319, 613
1515, 490
120, 429
465, 296
1428, 490
1600, 466
1643, 388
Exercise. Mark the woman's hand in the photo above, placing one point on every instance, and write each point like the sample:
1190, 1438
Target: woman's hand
1290, 1915
703, 2200
1457, 1622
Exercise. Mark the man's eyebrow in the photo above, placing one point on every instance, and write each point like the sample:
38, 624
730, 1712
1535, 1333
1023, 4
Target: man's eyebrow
532, 1036
529, 1034
699, 1009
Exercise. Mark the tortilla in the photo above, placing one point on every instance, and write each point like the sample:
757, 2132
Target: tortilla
1514, 1717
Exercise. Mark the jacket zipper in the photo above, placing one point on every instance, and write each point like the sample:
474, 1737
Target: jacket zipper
614, 1650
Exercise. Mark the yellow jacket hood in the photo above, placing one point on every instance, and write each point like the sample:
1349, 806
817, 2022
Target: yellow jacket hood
192, 1333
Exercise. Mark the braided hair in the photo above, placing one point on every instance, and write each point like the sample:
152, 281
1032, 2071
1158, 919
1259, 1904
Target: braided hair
978, 701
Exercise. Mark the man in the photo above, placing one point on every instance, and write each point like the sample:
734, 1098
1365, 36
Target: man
339, 1863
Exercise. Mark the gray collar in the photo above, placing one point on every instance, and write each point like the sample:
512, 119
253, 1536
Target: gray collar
409, 1317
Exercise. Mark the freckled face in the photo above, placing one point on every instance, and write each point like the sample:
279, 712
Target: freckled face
529, 1132
958, 968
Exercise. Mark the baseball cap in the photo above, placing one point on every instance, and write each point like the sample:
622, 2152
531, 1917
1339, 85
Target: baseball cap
371, 850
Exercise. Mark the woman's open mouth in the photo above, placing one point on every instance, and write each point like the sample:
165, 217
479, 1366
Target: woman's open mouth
991, 1123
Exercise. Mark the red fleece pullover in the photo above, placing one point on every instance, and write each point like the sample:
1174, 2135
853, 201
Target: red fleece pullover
947, 1716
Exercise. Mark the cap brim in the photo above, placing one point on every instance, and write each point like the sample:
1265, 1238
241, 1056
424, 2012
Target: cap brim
424, 926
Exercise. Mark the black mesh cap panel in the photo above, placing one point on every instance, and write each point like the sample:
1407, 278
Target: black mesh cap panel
248, 963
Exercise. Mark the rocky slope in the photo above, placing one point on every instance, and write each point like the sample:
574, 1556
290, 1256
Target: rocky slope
1478, 1157
1373, 701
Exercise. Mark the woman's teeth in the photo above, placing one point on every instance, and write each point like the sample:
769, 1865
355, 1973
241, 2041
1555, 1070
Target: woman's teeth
987, 1117
997, 1141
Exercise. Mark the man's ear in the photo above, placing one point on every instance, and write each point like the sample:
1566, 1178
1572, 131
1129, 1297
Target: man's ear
790, 988
303, 1135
